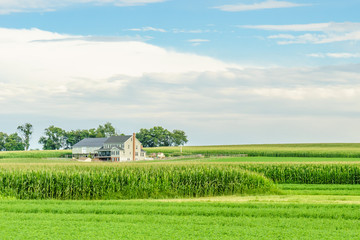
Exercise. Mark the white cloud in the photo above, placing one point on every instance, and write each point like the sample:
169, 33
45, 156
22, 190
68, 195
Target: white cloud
54, 76
146, 29
13, 6
270, 4
334, 55
328, 32
196, 42
311, 27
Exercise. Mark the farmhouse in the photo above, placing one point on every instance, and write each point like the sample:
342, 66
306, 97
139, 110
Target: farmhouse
115, 149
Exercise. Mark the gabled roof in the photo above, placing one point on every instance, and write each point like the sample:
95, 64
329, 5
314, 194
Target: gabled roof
91, 142
118, 139
103, 149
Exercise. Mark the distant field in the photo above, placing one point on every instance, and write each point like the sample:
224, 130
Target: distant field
35, 154
267, 160
347, 150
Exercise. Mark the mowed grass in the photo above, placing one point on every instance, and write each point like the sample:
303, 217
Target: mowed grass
320, 189
347, 150
141, 219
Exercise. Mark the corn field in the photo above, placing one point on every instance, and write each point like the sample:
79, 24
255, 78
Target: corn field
328, 150
130, 182
308, 173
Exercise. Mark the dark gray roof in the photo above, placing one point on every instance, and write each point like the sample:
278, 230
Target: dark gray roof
91, 142
102, 149
118, 139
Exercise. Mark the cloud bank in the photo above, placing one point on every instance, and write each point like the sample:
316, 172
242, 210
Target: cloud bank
270, 4
13, 6
55, 75
327, 32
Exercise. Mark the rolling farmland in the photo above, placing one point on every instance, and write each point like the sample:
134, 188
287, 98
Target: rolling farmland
259, 197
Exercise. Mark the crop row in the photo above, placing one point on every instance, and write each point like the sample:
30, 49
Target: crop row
345, 150
130, 182
308, 173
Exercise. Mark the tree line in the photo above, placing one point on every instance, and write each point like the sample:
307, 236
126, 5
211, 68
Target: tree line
17, 141
55, 138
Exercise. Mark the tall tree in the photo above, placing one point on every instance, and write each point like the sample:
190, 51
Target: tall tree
3, 137
178, 137
107, 130
54, 139
26, 131
159, 136
14, 143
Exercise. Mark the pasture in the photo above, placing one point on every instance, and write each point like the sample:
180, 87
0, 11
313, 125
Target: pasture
271, 195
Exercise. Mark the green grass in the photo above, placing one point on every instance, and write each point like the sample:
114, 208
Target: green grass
347, 150
35, 154
320, 189
176, 220
35, 160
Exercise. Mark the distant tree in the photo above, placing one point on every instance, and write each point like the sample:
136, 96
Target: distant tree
54, 139
3, 137
26, 131
159, 136
14, 143
75, 136
178, 137
107, 130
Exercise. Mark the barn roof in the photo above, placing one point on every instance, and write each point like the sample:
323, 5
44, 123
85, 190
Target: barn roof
91, 142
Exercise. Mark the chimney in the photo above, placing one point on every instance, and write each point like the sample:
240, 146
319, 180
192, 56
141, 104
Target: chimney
134, 139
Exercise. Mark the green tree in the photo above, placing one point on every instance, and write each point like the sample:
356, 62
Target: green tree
26, 131
106, 130
54, 139
3, 137
178, 138
75, 136
14, 143
159, 136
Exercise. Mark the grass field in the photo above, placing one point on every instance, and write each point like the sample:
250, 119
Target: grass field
326, 207
242, 217
35, 154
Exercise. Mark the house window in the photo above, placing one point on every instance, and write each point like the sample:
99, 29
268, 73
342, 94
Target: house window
136, 146
128, 146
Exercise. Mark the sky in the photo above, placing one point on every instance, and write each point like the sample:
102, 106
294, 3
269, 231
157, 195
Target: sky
225, 72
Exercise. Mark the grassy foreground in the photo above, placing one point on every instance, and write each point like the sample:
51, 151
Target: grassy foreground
143, 219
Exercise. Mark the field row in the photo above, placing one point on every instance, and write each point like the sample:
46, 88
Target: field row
330, 150
99, 182
114, 181
327, 150
176, 220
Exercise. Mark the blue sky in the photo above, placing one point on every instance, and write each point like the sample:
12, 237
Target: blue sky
246, 71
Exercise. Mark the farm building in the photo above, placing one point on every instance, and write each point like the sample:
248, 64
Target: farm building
115, 149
